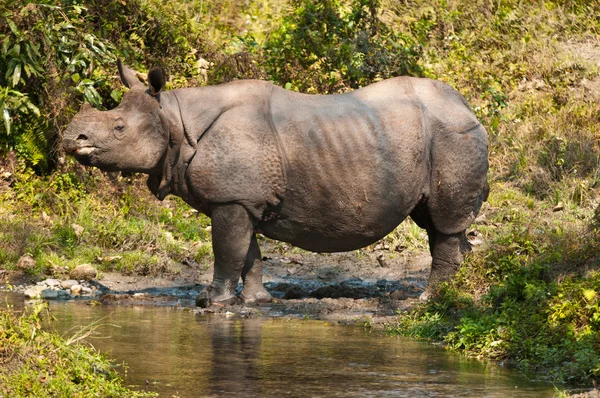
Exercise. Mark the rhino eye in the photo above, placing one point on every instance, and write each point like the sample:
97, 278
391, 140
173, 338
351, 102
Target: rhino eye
119, 128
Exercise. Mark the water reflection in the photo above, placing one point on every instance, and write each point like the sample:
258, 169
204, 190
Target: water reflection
181, 353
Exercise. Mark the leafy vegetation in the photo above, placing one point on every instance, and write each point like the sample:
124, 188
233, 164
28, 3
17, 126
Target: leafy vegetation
331, 46
530, 70
37, 363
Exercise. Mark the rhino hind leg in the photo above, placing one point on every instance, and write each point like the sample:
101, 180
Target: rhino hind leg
447, 250
252, 273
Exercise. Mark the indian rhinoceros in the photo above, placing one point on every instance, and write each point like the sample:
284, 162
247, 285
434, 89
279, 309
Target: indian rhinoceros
326, 173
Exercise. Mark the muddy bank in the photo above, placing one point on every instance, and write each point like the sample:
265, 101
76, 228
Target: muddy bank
345, 287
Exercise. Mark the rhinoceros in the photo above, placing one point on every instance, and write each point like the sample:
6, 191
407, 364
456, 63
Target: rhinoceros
326, 173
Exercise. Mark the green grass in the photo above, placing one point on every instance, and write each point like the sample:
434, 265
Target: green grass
529, 297
529, 69
95, 220
37, 363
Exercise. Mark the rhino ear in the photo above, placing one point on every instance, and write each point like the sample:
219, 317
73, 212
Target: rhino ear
128, 75
157, 78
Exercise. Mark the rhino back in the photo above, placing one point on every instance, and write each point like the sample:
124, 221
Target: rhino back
356, 164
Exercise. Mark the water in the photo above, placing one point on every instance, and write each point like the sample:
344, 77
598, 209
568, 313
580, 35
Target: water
183, 354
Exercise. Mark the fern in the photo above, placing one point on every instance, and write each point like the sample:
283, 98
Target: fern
32, 146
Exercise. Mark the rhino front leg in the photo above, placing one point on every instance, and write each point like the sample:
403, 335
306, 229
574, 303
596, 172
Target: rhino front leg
252, 274
232, 231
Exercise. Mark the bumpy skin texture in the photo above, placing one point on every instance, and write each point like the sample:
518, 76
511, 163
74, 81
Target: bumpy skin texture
325, 173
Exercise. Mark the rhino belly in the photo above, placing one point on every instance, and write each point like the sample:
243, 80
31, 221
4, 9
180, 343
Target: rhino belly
334, 232
346, 211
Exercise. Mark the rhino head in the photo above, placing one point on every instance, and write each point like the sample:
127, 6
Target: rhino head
132, 137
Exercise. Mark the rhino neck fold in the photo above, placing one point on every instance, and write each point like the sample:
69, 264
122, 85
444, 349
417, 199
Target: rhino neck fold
171, 175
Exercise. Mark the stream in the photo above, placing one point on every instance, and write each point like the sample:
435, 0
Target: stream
180, 353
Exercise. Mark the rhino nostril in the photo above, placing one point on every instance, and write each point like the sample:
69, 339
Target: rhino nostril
82, 137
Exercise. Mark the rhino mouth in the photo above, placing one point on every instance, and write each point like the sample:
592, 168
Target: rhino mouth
85, 154
84, 151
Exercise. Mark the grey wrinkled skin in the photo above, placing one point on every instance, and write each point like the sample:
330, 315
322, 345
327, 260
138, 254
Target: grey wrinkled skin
324, 173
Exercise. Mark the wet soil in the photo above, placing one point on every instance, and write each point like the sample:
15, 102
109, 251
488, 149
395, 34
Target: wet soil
344, 287
360, 286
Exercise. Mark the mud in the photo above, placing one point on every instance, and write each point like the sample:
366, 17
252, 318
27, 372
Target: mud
344, 287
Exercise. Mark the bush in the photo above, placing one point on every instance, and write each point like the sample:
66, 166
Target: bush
332, 46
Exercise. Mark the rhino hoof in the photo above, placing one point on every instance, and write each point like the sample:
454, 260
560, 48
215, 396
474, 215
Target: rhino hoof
261, 296
204, 300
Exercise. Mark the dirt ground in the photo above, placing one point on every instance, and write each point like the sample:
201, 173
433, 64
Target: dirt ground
344, 287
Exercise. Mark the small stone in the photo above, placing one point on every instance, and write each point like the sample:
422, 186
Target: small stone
33, 292
399, 295
86, 291
68, 284
84, 272
559, 207
52, 282
26, 263
76, 289
49, 294
381, 260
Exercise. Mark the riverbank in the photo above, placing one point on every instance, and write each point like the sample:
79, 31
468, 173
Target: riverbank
343, 287
38, 363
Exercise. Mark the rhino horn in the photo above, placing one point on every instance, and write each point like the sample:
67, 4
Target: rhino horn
128, 76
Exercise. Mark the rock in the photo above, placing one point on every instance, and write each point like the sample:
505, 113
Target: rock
33, 292
398, 295
49, 294
52, 282
26, 263
559, 207
68, 284
382, 261
76, 289
86, 291
84, 272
